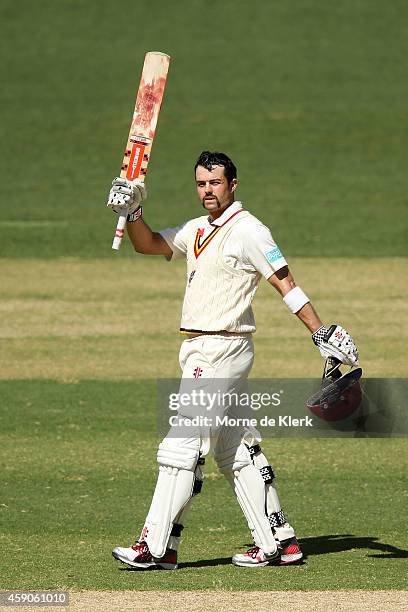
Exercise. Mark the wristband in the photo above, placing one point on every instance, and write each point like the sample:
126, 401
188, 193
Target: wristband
295, 299
134, 216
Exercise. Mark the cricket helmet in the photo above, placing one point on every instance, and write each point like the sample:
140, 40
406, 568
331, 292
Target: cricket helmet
340, 395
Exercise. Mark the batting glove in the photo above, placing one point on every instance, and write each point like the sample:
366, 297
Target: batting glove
336, 342
125, 196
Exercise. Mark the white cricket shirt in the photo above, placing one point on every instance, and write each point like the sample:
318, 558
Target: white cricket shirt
226, 259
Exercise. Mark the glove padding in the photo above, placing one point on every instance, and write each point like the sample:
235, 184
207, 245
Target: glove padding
125, 196
336, 342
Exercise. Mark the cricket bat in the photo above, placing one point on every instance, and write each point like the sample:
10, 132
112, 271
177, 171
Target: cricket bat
143, 126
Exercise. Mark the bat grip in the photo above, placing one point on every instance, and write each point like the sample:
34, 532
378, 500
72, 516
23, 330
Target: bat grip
120, 230
331, 368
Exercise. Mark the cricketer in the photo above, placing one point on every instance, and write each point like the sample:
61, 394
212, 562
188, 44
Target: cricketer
227, 251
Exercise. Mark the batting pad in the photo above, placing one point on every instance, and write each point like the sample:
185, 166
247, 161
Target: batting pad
236, 464
174, 489
250, 492
272, 499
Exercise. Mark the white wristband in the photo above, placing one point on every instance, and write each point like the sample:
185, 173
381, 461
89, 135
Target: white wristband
295, 299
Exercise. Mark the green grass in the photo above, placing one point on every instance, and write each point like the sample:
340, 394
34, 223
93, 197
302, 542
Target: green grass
78, 468
307, 96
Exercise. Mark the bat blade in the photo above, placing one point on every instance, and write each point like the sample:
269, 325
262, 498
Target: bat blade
143, 127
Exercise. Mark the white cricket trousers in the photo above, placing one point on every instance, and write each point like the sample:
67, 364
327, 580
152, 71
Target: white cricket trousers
217, 364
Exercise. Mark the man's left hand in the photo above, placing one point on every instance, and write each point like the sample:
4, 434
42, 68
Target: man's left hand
336, 342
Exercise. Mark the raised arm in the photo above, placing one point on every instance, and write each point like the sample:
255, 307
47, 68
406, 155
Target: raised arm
146, 241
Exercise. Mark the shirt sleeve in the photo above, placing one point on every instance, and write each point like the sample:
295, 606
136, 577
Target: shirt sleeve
262, 252
176, 239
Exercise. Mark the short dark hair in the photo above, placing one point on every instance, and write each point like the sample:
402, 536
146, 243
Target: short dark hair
208, 159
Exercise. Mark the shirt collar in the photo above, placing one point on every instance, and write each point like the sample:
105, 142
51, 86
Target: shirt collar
232, 208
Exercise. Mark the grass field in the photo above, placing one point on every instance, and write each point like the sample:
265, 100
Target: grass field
57, 318
309, 98
78, 433
79, 468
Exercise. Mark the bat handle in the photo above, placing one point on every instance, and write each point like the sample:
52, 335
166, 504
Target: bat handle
120, 230
331, 368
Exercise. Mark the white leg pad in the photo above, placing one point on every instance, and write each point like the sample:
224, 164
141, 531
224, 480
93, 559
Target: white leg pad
177, 459
272, 499
282, 531
249, 488
174, 541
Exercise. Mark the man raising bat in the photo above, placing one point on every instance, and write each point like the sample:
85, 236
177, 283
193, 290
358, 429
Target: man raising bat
227, 251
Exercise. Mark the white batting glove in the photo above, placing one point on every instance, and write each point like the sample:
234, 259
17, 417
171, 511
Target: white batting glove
336, 342
125, 196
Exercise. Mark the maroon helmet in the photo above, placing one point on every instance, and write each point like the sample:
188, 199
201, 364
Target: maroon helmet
340, 395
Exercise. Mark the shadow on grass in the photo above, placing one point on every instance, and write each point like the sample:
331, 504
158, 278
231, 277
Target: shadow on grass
323, 545
200, 563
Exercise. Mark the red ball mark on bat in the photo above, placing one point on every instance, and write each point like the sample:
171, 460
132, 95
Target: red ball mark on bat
148, 105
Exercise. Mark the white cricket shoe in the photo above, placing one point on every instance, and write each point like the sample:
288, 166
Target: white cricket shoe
140, 556
254, 557
288, 553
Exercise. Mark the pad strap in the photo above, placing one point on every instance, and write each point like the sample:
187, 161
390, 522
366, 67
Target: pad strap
276, 519
253, 450
197, 486
267, 474
198, 476
176, 530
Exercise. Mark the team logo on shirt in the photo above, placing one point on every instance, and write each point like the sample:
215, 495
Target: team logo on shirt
199, 245
197, 372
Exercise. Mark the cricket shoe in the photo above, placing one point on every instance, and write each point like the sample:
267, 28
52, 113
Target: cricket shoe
140, 556
254, 557
288, 553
